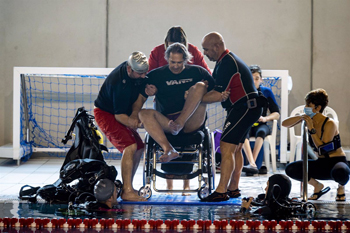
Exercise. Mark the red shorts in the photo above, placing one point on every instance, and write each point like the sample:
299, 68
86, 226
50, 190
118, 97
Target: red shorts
118, 134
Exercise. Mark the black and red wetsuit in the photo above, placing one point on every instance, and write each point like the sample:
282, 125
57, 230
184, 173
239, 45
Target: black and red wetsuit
231, 73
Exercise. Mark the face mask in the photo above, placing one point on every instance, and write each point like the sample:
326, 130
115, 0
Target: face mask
308, 111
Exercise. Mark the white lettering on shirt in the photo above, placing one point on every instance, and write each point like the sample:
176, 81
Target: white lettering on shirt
178, 82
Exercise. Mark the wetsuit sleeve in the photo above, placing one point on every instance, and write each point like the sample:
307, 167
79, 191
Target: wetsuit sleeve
224, 76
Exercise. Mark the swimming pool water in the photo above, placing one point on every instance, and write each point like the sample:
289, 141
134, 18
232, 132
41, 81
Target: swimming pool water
17, 209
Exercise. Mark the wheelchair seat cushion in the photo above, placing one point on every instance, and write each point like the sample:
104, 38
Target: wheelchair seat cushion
186, 139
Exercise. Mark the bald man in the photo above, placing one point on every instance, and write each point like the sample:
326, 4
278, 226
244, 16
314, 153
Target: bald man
243, 109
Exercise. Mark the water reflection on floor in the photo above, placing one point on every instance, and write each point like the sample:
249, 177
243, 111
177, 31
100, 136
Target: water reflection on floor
43, 171
15, 209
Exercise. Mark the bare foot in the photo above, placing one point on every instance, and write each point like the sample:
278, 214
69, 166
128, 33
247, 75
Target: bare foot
166, 157
169, 193
131, 196
186, 194
175, 128
318, 187
316, 195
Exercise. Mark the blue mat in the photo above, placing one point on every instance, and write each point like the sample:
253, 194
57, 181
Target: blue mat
178, 199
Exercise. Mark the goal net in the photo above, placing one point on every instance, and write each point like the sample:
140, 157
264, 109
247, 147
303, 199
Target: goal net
46, 100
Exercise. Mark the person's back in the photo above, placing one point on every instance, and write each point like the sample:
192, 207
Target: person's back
117, 83
241, 82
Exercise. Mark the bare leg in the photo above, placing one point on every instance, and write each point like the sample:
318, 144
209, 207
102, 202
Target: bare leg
234, 182
317, 185
341, 189
340, 193
257, 146
155, 124
169, 184
137, 158
127, 168
248, 153
186, 187
194, 97
227, 165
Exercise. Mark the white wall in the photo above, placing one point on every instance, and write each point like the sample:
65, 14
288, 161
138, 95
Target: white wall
59, 33
331, 58
277, 34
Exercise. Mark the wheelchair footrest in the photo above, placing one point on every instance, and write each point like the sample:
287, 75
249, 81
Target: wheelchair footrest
177, 176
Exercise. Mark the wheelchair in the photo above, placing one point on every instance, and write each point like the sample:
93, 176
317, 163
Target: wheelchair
194, 148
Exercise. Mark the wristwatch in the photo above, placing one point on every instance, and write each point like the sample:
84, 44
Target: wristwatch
312, 131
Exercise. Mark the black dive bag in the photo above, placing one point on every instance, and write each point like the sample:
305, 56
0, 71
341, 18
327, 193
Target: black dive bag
84, 163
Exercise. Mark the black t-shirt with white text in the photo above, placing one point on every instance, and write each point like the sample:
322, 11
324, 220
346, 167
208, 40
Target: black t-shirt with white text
171, 87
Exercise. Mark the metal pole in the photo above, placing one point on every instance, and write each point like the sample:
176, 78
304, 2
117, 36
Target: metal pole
25, 108
304, 155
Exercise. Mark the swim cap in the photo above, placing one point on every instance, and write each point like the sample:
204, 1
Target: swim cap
138, 62
103, 189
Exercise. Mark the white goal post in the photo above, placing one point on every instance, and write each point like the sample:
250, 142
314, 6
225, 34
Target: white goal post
15, 151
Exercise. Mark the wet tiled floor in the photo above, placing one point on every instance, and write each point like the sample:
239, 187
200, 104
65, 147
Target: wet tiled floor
42, 170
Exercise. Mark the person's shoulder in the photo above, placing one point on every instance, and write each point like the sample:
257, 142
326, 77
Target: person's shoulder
158, 48
265, 89
118, 72
193, 49
120, 69
233, 58
228, 61
330, 123
229, 57
193, 67
158, 70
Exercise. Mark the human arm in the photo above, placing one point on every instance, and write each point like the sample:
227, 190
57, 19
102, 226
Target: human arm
272, 106
132, 121
271, 117
215, 96
292, 121
151, 89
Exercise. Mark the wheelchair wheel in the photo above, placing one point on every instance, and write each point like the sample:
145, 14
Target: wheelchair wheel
309, 208
147, 165
203, 192
211, 160
145, 191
